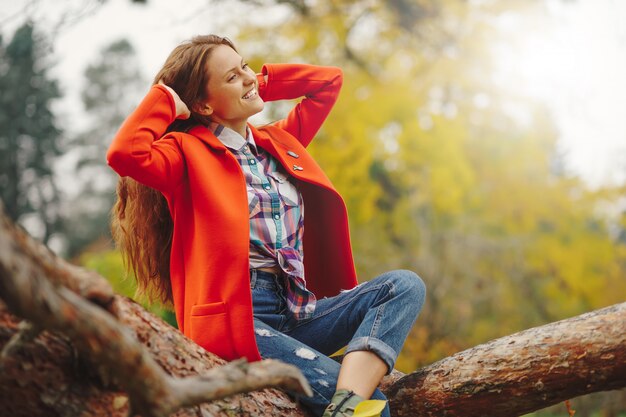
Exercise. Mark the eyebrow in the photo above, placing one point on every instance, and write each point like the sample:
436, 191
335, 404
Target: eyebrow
233, 69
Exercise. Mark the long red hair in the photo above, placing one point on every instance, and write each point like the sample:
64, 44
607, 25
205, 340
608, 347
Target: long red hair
141, 223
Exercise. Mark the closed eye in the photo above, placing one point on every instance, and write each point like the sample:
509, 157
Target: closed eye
244, 67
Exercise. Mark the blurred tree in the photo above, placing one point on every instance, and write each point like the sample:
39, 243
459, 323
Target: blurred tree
112, 86
29, 137
446, 173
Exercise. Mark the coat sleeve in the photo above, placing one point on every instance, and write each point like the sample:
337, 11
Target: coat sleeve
139, 149
318, 85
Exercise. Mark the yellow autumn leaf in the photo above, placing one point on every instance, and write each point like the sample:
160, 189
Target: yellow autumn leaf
369, 408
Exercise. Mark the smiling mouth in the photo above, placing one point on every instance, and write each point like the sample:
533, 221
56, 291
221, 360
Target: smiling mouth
250, 94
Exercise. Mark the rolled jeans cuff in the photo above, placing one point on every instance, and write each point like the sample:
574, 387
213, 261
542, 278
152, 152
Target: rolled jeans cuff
380, 348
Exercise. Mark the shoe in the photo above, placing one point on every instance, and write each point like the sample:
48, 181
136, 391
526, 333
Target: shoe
342, 404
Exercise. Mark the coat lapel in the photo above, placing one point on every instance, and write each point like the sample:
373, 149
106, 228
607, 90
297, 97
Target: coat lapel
282, 146
291, 154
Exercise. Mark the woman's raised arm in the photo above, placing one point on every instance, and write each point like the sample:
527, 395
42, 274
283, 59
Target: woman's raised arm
138, 149
319, 85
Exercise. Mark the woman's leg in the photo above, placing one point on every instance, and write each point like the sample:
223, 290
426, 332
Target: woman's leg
361, 372
344, 319
373, 320
318, 369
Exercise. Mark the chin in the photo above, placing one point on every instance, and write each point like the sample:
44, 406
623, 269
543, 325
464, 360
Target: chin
259, 107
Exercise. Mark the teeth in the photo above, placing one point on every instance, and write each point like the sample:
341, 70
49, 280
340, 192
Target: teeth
250, 94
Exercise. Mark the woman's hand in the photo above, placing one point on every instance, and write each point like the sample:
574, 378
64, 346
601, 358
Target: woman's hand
182, 111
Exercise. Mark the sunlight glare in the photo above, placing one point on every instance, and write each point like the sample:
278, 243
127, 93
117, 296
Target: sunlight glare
573, 58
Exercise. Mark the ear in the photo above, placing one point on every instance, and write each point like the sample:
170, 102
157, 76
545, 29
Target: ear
204, 109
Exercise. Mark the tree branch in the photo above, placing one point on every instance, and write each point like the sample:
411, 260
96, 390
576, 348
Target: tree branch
522, 372
26, 290
18, 250
237, 377
27, 332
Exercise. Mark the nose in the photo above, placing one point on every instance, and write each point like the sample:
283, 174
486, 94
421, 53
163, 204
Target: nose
250, 77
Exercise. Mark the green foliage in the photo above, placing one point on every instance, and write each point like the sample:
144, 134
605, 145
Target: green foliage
29, 137
109, 264
465, 194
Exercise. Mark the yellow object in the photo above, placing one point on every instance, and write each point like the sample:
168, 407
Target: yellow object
369, 408
340, 352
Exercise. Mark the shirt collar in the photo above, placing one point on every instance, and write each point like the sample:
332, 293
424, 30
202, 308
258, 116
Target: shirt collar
232, 139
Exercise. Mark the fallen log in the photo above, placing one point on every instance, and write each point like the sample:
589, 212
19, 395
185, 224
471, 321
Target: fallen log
523, 372
55, 296
49, 377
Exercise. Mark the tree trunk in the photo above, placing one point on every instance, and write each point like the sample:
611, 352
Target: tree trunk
57, 373
523, 372
47, 377
101, 345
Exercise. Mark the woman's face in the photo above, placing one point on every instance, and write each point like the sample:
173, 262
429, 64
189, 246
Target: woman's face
232, 89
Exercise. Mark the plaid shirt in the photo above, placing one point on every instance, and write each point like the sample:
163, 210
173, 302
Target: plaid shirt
276, 217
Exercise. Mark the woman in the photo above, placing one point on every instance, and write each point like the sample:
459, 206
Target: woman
213, 220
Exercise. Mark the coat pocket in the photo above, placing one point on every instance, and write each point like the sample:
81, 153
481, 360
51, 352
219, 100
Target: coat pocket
210, 328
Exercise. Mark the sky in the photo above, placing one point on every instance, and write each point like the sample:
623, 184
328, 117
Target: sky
571, 55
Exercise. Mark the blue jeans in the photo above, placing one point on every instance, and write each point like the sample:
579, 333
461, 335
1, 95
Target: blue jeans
375, 316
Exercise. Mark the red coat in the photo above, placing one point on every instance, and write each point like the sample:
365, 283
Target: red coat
206, 191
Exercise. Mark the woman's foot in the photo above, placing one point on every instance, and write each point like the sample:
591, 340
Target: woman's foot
342, 404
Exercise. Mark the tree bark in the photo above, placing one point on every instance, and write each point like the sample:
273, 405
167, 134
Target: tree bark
523, 372
96, 338
48, 369
48, 376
